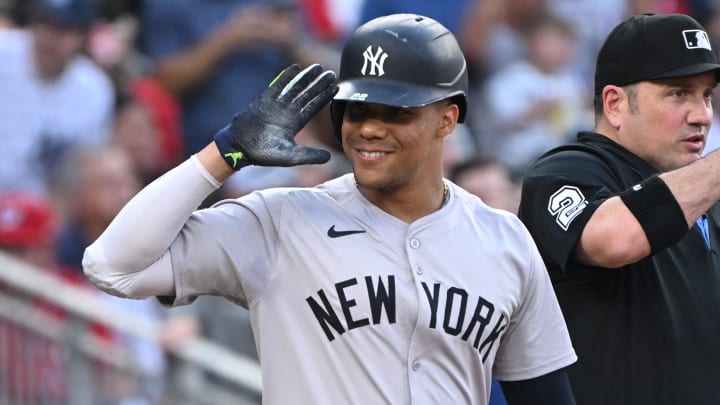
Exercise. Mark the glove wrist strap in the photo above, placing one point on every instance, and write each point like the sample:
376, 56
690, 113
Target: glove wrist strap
232, 155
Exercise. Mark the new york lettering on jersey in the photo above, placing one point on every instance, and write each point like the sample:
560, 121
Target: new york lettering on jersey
452, 310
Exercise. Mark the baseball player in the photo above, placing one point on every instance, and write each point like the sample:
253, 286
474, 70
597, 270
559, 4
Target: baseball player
627, 217
389, 285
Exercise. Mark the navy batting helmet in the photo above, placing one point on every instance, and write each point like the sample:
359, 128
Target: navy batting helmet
401, 60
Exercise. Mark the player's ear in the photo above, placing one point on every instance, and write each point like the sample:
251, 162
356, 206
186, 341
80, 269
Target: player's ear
613, 99
449, 116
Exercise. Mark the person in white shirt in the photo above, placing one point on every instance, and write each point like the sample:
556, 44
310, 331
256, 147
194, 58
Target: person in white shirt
54, 97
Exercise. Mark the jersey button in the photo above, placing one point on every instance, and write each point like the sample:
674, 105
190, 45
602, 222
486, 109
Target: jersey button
416, 365
418, 270
414, 243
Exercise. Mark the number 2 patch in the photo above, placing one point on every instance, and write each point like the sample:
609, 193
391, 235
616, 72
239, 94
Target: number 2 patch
566, 204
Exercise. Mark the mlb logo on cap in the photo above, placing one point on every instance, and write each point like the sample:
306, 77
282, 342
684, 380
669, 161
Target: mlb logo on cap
697, 39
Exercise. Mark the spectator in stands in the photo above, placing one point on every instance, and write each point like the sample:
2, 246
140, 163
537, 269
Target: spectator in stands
490, 33
488, 179
146, 126
54, 98
27, 226
135, 132
218, 55
34, 366
164, 111
591, 21
93, 185
142, 100
535, 103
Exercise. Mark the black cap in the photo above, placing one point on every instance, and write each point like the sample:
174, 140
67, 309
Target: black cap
654, 46
76, 14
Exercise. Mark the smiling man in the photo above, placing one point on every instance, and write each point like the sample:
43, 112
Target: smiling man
389, 285
627, 218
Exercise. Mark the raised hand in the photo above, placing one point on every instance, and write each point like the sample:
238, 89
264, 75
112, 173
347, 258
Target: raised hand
263, 133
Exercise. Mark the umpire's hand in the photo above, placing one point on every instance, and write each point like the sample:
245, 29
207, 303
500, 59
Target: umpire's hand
263, 133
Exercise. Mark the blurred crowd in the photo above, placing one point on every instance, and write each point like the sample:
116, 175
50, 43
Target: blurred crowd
100, 97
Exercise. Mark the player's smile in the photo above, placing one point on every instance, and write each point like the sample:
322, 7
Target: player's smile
371, 156
370, 162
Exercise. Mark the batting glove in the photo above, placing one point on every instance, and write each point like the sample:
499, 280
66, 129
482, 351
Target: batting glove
263, 133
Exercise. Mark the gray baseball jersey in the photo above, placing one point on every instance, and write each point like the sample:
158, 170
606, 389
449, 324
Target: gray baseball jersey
352, 305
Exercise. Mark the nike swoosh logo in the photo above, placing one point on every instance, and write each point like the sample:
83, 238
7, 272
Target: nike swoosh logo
336, 234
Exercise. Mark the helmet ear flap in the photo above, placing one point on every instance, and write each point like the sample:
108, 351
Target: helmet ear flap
337, 110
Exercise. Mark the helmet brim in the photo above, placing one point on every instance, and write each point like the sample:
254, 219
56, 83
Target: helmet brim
390, 93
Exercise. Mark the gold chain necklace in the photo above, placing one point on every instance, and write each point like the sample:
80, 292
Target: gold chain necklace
445, 191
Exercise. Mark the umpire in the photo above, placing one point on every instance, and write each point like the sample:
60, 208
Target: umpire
627, 218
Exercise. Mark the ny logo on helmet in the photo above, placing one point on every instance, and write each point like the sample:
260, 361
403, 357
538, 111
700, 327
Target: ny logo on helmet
376, 61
